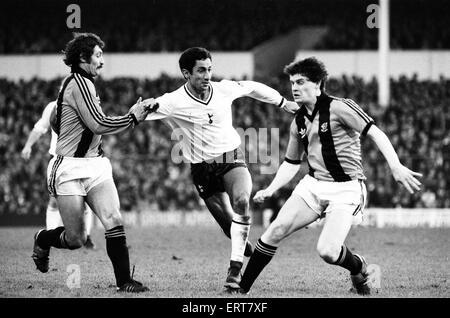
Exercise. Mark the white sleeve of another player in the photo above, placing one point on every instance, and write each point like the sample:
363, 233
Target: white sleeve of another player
164, 110
43, 124
235, 89
257, 91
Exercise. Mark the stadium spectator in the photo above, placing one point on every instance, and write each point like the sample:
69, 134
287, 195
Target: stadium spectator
21, 189
233, 25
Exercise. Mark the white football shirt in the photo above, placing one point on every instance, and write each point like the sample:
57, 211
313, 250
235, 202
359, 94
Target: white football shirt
204, 129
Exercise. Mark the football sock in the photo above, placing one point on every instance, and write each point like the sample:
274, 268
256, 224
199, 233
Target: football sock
240, 227
117, 249
52, 218
248, 246
262, 255
55, 238
349, 261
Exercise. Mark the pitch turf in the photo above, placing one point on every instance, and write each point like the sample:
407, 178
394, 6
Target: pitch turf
191, 262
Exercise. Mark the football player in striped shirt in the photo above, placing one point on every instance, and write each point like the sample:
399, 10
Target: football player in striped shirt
79, 173
52, 216
200, 114
326, 131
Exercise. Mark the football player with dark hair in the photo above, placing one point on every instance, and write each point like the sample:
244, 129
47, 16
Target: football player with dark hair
326, 131
200, 112
80, 173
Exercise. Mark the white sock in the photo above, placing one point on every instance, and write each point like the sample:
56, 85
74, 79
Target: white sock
52, 217
88, 219
240, 227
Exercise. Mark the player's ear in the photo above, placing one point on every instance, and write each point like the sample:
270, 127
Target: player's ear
318, 91
82, 58
185, 73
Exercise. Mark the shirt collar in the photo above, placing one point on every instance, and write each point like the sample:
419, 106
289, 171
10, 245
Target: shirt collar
79, 70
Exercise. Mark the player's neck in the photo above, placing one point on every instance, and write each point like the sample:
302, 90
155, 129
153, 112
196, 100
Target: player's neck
200, 94
310, 106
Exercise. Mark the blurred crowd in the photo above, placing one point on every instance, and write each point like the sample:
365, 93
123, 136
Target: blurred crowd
416, 122
232, 25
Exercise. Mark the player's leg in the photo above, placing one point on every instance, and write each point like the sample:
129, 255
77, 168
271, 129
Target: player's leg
70, 236
332, 249
103, 199
238, 185
294, 215
71, 208
52, 216
335, 230
220, 208
88, 221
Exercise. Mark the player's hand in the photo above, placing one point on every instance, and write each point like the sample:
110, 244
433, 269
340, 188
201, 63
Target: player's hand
138, 110
290, 107
26, 152
407, 177
151, 105
262, 195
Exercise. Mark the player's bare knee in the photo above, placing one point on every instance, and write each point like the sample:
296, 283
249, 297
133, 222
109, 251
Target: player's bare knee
278, 232
241, 203
111, 220
328, 252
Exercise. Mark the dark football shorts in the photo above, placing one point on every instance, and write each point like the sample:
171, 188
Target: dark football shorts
208, 175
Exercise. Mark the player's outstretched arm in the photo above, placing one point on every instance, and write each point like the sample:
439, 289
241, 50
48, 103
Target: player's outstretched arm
142, 108
288, 169
285, 173
267, 94
290, 107
400, 173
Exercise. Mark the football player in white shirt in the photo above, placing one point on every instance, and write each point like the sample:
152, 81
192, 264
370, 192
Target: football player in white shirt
200, 115
52, 217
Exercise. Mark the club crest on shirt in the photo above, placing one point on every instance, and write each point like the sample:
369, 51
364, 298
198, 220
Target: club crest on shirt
324, 127
210, 118
302, 132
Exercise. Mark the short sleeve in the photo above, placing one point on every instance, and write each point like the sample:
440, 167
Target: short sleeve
164, 110
352, 115
294, 149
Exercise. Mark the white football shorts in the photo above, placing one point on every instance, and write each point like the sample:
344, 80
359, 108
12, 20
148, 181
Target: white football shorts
325, 196
76, 176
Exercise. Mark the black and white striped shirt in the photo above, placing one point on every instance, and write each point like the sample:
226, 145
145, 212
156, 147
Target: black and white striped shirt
80, 121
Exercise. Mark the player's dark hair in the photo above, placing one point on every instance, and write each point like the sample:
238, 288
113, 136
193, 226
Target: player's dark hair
82, 45
189, 57
311, 68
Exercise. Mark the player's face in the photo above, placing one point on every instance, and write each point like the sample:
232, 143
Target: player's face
200, 76
303, 90
97, 62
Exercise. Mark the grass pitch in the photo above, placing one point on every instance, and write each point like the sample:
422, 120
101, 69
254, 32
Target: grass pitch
191, 262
